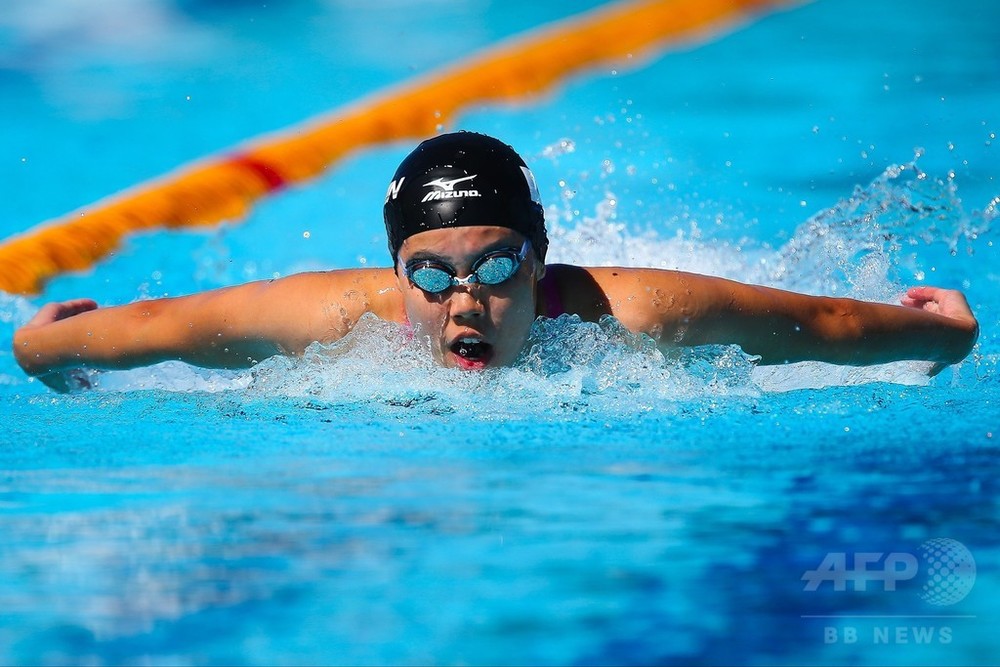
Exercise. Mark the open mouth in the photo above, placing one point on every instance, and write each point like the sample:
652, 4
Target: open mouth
471, 353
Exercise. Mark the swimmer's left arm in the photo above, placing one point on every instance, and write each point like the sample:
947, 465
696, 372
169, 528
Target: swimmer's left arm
932, 324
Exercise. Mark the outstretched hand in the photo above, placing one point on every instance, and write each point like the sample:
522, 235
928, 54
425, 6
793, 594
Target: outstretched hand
946, 302
72, 379
53, 312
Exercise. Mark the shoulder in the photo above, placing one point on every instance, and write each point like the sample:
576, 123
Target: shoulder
566, 288
352, 292
320, 306
638, 297
314, 300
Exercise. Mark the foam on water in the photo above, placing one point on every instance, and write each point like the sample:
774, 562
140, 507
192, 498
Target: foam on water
566, 366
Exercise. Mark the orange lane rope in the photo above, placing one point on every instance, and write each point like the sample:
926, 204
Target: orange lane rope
224, 187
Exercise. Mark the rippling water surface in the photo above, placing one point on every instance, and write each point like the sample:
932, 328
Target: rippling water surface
597, 503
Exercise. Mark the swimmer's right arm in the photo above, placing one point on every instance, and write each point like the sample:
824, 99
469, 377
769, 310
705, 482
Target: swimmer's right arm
233, 327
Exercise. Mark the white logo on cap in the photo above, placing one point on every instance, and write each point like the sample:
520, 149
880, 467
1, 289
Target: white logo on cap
449, 185
448, 190
532, 185
393, 190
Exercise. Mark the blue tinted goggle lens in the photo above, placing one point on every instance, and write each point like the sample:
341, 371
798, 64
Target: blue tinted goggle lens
431, 279
490, 269
496, 269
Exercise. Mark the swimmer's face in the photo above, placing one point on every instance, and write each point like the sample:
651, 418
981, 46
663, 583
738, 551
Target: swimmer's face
470, 326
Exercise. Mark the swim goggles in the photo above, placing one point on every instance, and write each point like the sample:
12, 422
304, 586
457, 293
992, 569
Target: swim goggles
493, 268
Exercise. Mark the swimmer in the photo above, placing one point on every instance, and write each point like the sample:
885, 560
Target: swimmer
467, 238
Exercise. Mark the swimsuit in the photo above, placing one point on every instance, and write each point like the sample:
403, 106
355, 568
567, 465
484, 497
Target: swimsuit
553, 301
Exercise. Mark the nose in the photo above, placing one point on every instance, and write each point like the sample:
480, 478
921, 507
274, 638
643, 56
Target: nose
466, 303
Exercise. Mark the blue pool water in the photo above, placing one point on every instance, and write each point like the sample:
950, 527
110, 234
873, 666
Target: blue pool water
596, 504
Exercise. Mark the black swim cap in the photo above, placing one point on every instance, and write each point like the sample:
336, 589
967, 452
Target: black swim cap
461, 180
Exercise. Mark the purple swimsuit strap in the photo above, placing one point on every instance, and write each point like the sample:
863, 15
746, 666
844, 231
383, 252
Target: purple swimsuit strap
553, 302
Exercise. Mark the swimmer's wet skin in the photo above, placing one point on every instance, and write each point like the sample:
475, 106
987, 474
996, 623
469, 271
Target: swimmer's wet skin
467, 237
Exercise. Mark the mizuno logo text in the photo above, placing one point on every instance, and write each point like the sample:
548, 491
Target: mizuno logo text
447, 189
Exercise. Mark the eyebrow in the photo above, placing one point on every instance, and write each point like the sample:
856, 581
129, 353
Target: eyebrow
428, 256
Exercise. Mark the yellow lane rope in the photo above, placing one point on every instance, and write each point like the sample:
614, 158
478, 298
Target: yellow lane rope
224, 187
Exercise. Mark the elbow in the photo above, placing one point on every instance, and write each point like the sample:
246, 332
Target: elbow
841, 320
839, 331
25, 353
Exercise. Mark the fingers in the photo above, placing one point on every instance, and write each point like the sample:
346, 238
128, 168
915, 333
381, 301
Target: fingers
922, 294
923, 291
47, 313
76, 306
925, 297
946, 302
917, 297
922, 304
53, 312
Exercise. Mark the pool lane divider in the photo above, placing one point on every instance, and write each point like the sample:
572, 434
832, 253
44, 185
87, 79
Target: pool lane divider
223, 188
